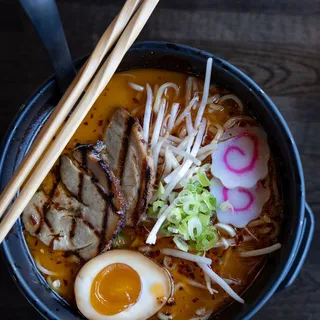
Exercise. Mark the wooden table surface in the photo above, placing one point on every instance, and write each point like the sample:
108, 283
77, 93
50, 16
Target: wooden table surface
276, 42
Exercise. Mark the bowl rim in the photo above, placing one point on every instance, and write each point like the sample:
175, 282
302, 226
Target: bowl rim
157, 45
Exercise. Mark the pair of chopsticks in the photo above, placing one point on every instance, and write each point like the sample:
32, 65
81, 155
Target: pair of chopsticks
122, 32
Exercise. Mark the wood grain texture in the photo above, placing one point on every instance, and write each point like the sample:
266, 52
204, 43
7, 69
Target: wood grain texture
276, 42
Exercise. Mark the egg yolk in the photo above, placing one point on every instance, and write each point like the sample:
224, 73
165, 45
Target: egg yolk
114, 289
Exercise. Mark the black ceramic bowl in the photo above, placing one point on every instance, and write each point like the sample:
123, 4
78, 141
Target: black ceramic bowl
282, 266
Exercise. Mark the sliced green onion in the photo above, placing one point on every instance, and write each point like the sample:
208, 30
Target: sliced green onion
204, 219
209, 200
164, 229
152, 212
206, 194
160, 190
189, 221
182, 200
181, 244
175, 216
205, 167
204, 208
191, 208
157, 204
207, 240
205, 182
194, 227
183, 230
173, 230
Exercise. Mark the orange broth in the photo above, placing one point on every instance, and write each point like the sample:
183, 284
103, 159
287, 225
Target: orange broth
226, 263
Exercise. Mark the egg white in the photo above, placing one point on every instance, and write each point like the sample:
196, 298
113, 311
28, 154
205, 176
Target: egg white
149, 272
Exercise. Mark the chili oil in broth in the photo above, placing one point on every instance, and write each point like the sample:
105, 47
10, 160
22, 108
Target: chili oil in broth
226, 263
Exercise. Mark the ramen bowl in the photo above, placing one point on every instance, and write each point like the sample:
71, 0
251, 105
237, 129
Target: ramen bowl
280, 269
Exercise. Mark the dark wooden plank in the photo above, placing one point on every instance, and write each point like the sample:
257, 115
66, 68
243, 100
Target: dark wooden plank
231, 26
279, 69
273, 6
312, 179
187, 24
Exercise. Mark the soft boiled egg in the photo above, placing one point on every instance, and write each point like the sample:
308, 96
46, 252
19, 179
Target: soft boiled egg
122, 285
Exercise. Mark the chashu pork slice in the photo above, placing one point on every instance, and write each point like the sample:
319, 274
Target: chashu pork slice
87, 189
59, 223
127, 151
88, 157
80, 216
116, 137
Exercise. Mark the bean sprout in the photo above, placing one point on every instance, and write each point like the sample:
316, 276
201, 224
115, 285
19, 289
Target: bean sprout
204, 94
208, 284
224, 242
156, 105
206, 269
174, 139
184, 154
213, 99
173, 116
152, 237
232, 242
226, 228
186, 256
195, 284
251, 234
158, 124
164, 128
135, 86
182, 133
195, 91
260, 252
208, 148
205, 155
232, 121
188, 90
190, 128
186, 111
215, 107
147, 114
184, 168
43, 269
234, 98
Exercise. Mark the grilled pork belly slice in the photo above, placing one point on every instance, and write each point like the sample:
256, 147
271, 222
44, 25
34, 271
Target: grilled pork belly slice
138, 176
80, 216
127, 151
89, 159
61, 224
116, 136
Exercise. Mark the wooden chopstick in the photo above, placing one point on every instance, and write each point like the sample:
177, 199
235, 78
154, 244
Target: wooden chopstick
67, 102
98, 83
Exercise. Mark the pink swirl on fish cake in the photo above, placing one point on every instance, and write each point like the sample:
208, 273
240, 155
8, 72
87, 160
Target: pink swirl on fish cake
241, 158
246, 203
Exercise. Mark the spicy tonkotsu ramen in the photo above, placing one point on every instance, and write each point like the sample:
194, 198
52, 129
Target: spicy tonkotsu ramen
164, 205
